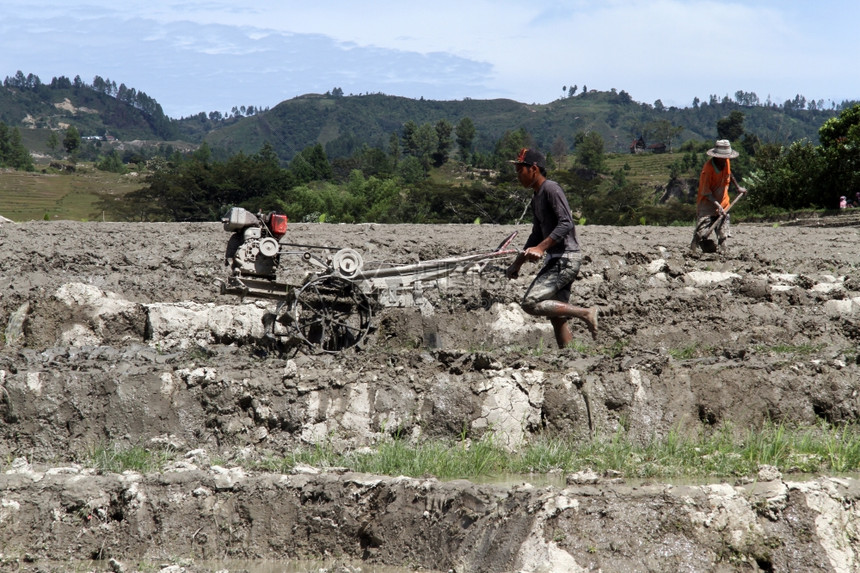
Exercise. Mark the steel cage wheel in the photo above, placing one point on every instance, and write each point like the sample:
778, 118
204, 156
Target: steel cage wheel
331, 314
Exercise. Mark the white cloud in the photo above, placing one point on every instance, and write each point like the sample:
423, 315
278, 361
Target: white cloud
206, 55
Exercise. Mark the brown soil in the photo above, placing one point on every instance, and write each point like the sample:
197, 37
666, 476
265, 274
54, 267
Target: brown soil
768, 331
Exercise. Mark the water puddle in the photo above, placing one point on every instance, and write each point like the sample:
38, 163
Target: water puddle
254, 566
559, 479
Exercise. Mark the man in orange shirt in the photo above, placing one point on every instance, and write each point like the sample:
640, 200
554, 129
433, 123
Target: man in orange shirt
713, 197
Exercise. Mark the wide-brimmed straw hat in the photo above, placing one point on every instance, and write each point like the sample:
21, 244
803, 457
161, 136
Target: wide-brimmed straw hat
723, 149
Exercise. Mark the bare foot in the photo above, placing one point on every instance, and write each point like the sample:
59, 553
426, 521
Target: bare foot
591, 321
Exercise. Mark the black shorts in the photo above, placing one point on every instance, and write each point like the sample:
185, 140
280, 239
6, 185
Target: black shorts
554, 280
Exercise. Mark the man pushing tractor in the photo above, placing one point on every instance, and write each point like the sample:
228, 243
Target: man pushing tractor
554, 239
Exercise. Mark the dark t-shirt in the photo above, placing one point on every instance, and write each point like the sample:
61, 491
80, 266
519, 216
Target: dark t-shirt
552, 218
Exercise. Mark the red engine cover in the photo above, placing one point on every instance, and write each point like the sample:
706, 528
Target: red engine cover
278, 224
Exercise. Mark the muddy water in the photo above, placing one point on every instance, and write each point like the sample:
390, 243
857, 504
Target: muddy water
558, 480
240, 566
247, 566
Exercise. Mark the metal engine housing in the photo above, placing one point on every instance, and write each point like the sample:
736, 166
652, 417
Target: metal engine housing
249, 253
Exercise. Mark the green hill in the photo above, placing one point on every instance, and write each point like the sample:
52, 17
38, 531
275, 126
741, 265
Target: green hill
343, 124
44, 108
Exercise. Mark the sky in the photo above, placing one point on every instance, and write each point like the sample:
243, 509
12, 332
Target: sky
197, 56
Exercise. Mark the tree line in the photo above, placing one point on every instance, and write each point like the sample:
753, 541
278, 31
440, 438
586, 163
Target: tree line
802, 175
395, 185
162, 125
393, 182
390, 185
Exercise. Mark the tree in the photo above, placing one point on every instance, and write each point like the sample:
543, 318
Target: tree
559, 147
425, 142
664, 132
112, 163
99, 84
317, 158
203, 154
53, 142
267, 156
589, 150
394, 148
13, 152
788, 178
61, 83
196, 188
509, 146
582, 191
311, 164
841, 130
840, 149
411, 170
373, 161
746, 98
731, 127
465, 132
443, 142
5, 148
750, 144
410, 146
72, 140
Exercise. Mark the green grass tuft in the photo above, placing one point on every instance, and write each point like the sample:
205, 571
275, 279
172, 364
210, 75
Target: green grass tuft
721, 453
116, 459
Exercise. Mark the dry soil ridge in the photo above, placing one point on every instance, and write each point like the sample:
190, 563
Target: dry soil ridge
115, 334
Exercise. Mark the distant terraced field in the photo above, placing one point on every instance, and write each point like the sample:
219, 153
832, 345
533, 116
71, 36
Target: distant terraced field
45, 195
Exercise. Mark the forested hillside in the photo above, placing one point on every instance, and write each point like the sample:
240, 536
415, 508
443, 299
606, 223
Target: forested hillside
93, 109
381, 158
343, 124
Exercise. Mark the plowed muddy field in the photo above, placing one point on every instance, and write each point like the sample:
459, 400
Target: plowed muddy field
117, 335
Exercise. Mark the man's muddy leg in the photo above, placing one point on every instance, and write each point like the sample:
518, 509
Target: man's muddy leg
563, 335
555, 309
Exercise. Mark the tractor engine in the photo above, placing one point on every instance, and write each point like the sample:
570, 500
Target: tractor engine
254, 249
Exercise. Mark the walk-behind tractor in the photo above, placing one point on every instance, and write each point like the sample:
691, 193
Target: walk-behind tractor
331, 307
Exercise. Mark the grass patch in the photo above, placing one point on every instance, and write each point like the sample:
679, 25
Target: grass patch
115, 459
690, 351
719, 454
579, 346
616, 349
